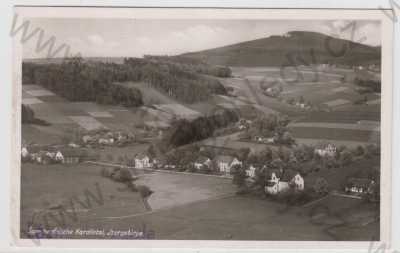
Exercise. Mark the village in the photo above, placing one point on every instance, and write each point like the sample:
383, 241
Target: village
279, 171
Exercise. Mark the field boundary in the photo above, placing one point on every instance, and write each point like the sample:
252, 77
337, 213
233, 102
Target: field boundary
158, 170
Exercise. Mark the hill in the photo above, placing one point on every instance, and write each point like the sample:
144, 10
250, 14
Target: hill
293, 48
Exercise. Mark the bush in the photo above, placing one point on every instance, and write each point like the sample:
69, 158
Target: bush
321, 186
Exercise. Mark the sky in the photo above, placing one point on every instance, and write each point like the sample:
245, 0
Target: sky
134, 38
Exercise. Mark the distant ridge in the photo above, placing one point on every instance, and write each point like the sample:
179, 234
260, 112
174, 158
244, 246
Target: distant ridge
295, 48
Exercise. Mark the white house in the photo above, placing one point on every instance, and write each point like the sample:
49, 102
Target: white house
225, 163
275, 185
278, 183
106, 141
328, 150
251, 171
24, 152
298, 182
142, 161
202, 161
59, 157
86, 139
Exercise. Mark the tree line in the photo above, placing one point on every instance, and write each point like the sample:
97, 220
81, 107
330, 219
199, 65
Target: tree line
84, 80
184, 131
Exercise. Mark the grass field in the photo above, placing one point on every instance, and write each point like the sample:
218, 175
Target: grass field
335, 134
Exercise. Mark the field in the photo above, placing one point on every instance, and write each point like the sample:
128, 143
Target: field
66, 117
184, 206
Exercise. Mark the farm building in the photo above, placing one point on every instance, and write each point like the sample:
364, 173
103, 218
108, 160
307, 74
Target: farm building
281, 182
142, 161
326, 150
69, 155
202, 161
359, 186
225, 163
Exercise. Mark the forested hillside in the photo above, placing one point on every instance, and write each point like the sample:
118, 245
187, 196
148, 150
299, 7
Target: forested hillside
85, 80
293, 48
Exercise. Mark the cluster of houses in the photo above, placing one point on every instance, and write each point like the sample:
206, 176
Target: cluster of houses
244, 124
282, 181
51, 155
277, 182
360, 186
104, 138
328, 150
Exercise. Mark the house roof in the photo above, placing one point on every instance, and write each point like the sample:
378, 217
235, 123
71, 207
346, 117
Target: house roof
72, 152
358, 182
224, 158
288, 174
270, 171
141, 156
324, 145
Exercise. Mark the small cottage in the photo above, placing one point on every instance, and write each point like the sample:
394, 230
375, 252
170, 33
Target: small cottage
201, 161
225, 163
359, 186
251, 171
142, 161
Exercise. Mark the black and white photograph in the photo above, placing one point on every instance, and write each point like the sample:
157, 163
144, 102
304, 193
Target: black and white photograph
202, 124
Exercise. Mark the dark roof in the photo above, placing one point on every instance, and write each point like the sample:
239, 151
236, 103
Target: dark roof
141, 156
270, 171
73, 152
358, 182
288, 174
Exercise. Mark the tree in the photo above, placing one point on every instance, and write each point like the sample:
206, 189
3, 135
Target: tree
359, 151
321, 186
239, 175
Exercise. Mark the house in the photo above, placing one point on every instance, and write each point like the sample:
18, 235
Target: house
269, 140
142, 161
106, 141
275, 185
24, 152
279, 182
87, 138
70, 155
244, 124
59, 157
251, 171
297, 182
73, 145
225, 163
201, 161
327, 150
359, 186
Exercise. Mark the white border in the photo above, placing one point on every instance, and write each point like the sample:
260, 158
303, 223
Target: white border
221, 14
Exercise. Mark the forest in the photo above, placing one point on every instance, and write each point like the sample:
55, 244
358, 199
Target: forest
77, 80
84, 80
184, 131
